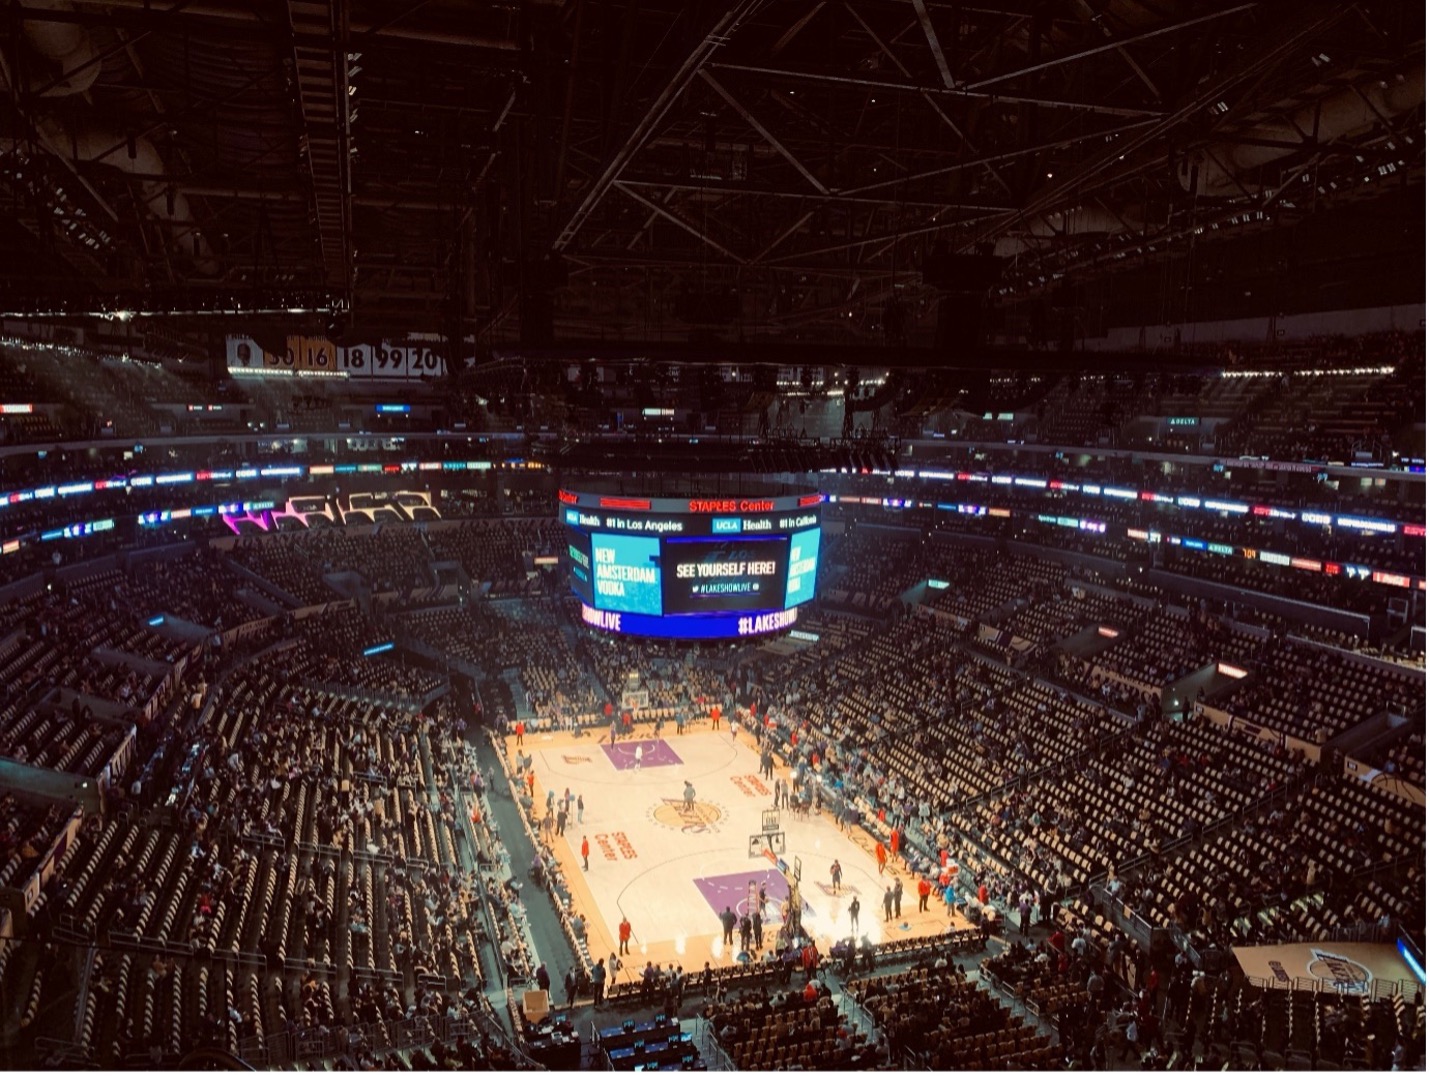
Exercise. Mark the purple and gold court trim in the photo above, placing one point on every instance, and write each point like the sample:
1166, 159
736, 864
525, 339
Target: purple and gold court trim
734, 891
654, 753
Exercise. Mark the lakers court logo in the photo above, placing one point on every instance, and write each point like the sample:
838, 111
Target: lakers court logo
688, 817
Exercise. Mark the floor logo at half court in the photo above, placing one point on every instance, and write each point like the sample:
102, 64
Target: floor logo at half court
697, 818
1345, 973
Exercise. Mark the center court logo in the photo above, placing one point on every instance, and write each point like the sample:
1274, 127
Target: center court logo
1346, 974
699, 818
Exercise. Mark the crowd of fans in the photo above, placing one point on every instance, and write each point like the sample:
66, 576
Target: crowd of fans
495, 551
309, 831
944, 1021
789, 1030
873, 584
295, 857
304, 831
27, 827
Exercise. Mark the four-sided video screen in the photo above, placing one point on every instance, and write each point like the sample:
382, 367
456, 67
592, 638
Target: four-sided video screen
692, 567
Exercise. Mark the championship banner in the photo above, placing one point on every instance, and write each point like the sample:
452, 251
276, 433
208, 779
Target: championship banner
318, 356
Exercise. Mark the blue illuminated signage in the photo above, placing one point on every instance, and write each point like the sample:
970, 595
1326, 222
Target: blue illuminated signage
1410, 960
803, 567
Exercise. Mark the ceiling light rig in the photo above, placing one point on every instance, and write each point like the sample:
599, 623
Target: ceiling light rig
126, 308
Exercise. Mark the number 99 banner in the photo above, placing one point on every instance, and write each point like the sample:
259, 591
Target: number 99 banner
317, 356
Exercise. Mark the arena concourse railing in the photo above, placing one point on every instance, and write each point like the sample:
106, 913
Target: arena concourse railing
580, 946
711, 1050
51, 1051
1124, 916
378, 699
1377, 989
519, 925
484, 848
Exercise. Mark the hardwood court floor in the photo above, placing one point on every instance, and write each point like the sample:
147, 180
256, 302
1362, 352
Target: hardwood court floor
671, 870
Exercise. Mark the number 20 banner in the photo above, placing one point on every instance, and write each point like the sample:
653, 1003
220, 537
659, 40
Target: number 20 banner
317, 355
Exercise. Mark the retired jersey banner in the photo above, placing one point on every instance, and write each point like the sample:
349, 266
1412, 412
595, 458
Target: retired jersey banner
318, 356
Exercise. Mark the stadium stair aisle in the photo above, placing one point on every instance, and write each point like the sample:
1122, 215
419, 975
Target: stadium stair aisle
493, 976
546, 933
573, 641
518, 697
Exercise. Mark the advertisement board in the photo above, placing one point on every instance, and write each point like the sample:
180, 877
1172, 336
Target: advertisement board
702, 575
626, 570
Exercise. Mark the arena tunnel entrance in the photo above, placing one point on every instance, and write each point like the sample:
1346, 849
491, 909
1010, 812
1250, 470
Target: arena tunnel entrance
1180, 697
1091, 641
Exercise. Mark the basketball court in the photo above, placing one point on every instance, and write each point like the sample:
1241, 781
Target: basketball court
672, 864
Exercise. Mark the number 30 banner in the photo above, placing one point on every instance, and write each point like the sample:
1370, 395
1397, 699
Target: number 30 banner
317, 355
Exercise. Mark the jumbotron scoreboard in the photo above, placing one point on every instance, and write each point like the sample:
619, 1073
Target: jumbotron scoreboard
702, 567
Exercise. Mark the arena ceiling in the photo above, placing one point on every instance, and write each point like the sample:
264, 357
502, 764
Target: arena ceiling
671, 169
